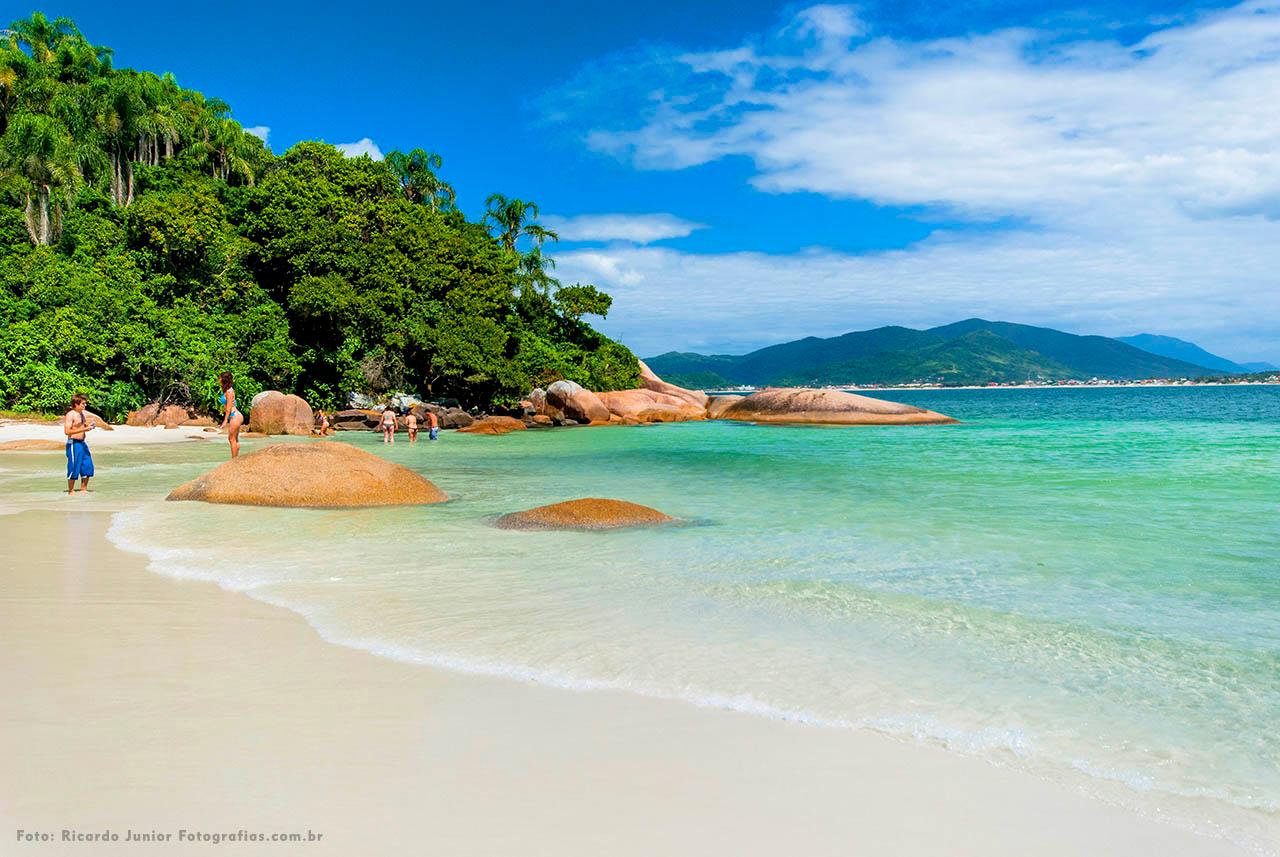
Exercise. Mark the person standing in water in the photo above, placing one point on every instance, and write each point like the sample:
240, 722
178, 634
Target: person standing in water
389, 425
433, 426
411, 423
232, 419
75, 424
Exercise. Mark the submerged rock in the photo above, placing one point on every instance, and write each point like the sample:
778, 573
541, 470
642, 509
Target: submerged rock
33, 445
494, 425
588, 513
828, 407
322, 475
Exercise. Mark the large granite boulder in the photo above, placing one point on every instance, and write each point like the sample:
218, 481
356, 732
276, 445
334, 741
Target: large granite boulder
274, 412
830, 407
650, 381
649, 406
576, 403
589, 513
494, 425
325, 474
170, 416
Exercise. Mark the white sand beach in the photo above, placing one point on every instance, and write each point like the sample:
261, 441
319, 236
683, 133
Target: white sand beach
136, 702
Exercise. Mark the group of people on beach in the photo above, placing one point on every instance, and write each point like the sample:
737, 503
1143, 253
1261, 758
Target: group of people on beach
76, 425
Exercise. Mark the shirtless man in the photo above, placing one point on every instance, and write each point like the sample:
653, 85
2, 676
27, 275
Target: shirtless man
433, 426
75, 424
411, 423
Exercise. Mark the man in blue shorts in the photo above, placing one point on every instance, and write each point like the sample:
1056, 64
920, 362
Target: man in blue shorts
75, 425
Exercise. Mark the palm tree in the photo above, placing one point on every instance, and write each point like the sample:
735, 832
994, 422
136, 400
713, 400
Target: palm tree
38, 166
41, 36
514, 219
533, 267
418, 180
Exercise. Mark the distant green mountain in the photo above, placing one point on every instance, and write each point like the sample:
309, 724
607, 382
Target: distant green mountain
1180, 349
974, 351
1260, 367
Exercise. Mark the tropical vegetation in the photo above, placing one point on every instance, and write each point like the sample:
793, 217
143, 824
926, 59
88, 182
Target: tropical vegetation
147, 242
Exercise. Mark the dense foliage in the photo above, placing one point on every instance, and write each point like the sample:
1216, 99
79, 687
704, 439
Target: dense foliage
148, 242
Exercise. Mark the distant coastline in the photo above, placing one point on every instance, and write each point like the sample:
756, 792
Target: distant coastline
1272, 380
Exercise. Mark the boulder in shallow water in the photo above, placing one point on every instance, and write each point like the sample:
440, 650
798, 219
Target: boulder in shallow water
274, 412
322, 475
825, 407
494, 425
588, 513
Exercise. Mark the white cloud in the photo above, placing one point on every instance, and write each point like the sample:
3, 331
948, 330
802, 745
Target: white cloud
1213, 283
1142, 181
363, 146
259, 131
633, 228
981, 125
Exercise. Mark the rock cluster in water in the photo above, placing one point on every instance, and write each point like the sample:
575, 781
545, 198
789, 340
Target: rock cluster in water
656, 401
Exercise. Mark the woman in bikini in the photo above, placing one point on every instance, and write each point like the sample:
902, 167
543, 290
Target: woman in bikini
389, 425
232, 419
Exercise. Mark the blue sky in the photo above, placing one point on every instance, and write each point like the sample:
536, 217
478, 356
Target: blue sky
741, 173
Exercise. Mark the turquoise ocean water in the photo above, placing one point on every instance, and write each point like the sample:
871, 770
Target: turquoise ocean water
1081, 582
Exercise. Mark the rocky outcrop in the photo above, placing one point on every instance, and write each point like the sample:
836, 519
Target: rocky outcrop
355, 420
274, 412
494, 425
589, 513
717, 405
650, 381
828, 407
649, 406
325, 474
170, 416
576, 403
447, 417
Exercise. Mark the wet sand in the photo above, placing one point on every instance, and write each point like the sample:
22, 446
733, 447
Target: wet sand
136, 702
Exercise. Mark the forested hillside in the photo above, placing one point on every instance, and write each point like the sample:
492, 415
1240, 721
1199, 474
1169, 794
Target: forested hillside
148, 242
974, 351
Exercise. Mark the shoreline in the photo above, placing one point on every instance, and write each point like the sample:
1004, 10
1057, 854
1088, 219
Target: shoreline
224, 712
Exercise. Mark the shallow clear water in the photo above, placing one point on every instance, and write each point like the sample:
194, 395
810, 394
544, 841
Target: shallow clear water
1082, 582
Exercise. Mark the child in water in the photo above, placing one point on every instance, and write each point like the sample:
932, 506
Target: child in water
75, 424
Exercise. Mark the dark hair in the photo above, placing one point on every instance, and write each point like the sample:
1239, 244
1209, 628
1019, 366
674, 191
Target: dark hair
225, 380
78, 399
